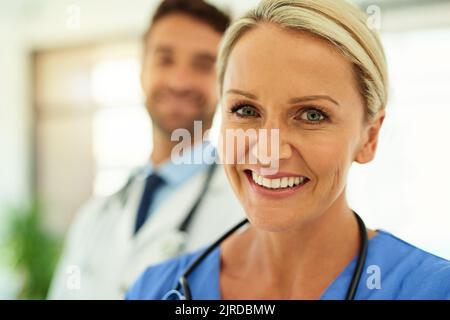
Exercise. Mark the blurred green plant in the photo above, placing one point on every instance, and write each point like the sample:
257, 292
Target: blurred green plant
34, 251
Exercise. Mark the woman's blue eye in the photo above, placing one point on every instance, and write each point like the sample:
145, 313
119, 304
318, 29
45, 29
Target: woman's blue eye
245, 111
312, 116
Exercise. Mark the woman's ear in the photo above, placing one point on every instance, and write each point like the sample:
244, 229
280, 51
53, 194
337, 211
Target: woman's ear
369, 145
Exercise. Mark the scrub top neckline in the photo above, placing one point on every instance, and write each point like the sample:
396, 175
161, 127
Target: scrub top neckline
347, 272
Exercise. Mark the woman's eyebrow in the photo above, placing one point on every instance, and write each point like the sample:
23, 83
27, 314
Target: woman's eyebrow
310, 98
243, 93
291, 101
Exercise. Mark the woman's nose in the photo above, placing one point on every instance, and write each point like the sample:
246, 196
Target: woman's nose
276, 140
285, 150
270, 148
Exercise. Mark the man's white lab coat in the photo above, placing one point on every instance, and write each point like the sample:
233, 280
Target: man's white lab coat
102, 257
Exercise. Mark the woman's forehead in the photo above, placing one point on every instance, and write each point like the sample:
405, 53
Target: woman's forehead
289, 60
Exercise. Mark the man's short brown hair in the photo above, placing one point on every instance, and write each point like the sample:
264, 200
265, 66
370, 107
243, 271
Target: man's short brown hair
197, 9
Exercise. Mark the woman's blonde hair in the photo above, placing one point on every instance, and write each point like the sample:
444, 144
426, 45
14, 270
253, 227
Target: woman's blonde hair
339, 22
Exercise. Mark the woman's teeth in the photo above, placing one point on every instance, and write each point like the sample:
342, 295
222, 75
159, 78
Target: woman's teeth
279, 183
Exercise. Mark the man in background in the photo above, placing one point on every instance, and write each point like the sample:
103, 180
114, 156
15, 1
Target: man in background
165, 208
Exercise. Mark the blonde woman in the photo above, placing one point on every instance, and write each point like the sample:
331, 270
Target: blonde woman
313, 70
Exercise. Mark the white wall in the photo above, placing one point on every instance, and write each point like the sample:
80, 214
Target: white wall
434, 15
14, 115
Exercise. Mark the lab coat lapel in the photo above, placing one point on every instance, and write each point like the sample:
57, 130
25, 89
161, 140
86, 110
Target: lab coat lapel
126, 221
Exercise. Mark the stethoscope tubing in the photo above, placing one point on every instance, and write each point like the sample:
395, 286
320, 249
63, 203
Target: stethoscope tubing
183, 283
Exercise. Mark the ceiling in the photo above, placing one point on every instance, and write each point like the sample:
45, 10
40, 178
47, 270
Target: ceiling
28, 8
44, 22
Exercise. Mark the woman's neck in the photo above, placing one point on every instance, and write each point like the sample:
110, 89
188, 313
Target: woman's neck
300, 263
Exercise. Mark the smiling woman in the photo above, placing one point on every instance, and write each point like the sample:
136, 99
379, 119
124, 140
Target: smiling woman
315, 72
317, 108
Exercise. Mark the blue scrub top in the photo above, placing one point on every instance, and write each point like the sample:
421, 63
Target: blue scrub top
405, 272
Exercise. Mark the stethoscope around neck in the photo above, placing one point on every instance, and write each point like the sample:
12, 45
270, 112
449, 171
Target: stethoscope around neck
183, 283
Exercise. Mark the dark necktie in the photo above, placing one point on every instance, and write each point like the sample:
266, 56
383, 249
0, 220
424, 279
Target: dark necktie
152, 184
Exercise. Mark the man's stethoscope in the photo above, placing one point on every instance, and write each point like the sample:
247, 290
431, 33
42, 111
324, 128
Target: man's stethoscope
183, 283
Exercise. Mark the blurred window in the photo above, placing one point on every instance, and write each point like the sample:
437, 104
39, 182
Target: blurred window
406, 188
121, 128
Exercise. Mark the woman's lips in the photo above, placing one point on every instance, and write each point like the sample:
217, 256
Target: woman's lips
277, 186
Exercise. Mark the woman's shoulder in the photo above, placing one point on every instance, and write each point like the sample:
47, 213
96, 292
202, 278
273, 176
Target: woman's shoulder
418, 273
401, 249
158, 279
